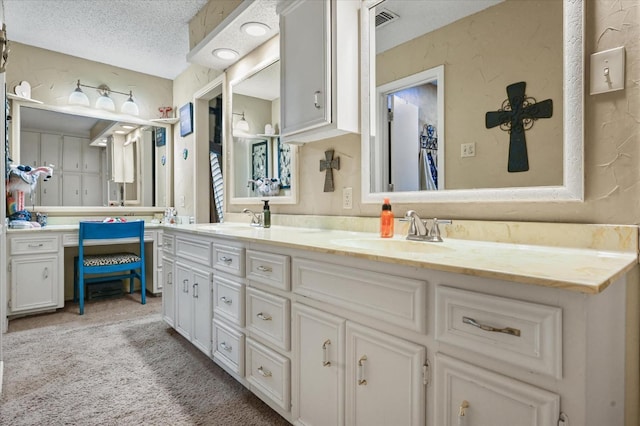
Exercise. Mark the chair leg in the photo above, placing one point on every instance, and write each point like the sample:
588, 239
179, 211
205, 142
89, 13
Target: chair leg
131, 282
143, 286
81, 293
75, 280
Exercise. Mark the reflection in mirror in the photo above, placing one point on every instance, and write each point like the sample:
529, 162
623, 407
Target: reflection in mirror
97, 161
486, 46
263, 165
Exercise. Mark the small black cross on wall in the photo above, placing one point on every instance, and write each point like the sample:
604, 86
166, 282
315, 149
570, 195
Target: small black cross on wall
329, 164
517, 115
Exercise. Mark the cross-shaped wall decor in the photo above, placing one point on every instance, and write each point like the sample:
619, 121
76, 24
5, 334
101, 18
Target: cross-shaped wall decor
517, 114
328, 164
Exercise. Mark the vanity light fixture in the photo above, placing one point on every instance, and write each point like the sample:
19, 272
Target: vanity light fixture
255, 29
241, 125
78, 97
227, 54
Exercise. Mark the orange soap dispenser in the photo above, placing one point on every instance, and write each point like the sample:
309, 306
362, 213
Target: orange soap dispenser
386, 220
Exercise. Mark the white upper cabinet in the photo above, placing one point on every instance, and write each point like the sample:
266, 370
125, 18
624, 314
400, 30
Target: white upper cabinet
319, 69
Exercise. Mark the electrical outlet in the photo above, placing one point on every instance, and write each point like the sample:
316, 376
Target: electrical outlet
347, 198
468, 150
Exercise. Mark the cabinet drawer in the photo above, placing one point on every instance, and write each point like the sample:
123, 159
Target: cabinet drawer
198, 251
491, 399
269, 373
525, 334
229, 347
394, 300
269, 269
168, 243
229, 259
32, 245
229, 300
268, 316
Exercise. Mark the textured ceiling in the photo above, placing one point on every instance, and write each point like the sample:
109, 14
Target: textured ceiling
148, 36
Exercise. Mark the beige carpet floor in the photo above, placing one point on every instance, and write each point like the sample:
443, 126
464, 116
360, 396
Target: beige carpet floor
119, 364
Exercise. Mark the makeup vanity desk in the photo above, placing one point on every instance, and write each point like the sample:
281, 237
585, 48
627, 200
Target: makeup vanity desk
40, 262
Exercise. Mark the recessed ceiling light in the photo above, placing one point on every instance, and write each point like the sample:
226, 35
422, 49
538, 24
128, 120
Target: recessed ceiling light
128, 126
225, 53
256, 29
120, 132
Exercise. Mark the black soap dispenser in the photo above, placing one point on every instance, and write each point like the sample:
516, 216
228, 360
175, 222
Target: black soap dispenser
266, 214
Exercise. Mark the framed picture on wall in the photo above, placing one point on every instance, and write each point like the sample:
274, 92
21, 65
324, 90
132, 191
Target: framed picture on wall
161, 136
186, 119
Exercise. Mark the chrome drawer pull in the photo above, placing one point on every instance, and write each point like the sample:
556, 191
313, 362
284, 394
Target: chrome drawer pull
506, 330
195, 290
264, 317
226, 347
361, 380
185, 285
35, 245
223, 299
325, 353
263, 372
264, 269
170, 278
316, 103
226, 260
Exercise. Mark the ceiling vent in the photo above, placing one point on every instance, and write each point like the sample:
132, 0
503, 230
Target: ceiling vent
384, 17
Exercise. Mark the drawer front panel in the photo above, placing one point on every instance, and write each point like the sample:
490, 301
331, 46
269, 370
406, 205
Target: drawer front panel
229, 301
269, 317
168, 243
269, 269
269, 372
229, 347
31, 245
487, 398
194, 250
229, 259
389, 298
525, 334
72, 240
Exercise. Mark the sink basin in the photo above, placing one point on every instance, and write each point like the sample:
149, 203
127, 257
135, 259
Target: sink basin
398, 246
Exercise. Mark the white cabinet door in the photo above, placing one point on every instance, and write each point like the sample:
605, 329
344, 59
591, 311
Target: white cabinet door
72, 154
71, 189
30, 149
91, 158
202, 311
34, 282
488, 398
50, 191
50, 150
92, 190
318, 371
168, 292
184, 314
384, 379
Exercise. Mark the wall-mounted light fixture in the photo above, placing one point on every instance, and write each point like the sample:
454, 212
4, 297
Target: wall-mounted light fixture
78, 97
241, 125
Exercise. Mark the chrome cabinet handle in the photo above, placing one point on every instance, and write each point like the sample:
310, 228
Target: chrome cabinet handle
195, 290
264, 269
170, 278
361, 379
264, 317
325, 353
226, 347
263, 372
45, 273
316, 102
185, 285
35, 245
507, 330
226, 260
224, 300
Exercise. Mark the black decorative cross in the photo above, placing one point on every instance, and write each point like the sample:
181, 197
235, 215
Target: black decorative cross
517, 114
328, 164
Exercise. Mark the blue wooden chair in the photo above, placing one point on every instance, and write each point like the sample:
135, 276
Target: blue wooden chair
130, 265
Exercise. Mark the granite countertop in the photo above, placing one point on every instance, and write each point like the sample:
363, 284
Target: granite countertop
584, 270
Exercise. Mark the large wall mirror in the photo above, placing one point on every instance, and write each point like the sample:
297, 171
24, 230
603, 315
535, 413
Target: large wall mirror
98, 160
436, 68
263, 166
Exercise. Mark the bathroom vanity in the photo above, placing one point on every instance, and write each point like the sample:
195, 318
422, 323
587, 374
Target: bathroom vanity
333, 327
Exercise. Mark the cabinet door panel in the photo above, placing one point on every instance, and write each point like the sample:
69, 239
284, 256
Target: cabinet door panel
202, 312
184, 301
91, 190
71, 190
34, 283
50, 150
91, 159
318, 376
384, 380
72, 154
169, 292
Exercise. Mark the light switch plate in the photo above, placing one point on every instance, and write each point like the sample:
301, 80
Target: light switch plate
607, 71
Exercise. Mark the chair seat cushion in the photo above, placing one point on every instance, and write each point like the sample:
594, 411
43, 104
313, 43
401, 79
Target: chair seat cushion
111, 259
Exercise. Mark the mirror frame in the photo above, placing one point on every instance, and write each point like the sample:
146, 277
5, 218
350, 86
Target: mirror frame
72, 210
245, 72
573, 137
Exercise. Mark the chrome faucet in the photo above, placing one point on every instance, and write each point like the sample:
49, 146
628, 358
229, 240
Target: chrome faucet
256, 219
419, 230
